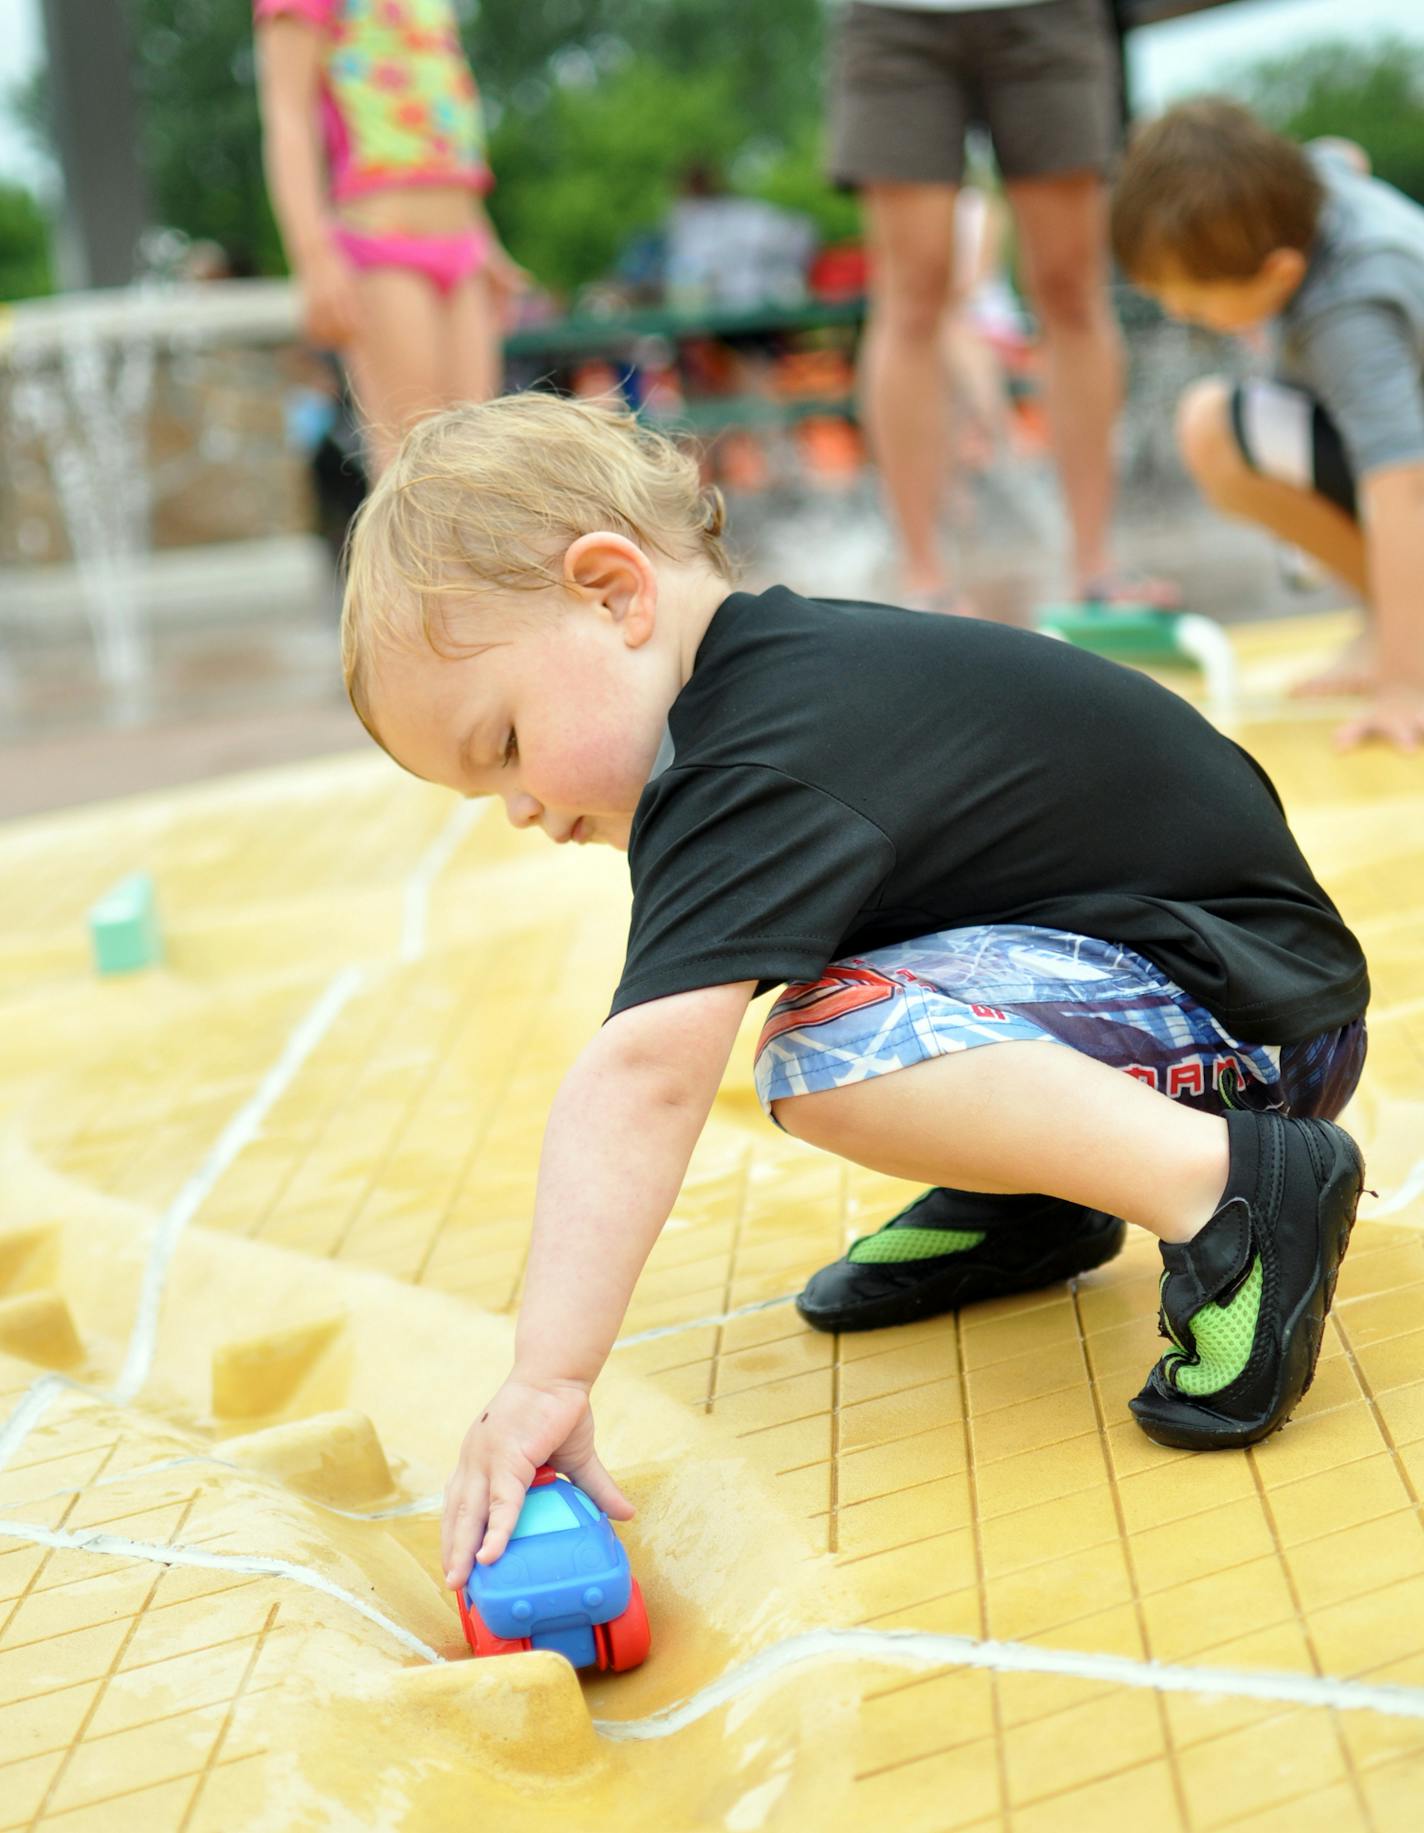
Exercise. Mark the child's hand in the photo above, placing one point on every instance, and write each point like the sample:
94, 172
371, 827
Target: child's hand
1394, 714
528, 1423
330, 307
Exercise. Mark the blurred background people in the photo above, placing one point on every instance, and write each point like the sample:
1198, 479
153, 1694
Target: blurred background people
373, 146
1044, 78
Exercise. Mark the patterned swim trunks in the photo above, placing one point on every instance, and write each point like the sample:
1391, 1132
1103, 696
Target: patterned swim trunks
1013, 983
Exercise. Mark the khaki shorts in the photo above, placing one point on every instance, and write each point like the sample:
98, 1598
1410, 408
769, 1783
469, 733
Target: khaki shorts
1044, 78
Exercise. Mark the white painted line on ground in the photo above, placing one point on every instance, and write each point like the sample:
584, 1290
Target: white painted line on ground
28, 1413
902, 1648
239, 1132
702, 1323
918, 1648
433, 861
258, 1565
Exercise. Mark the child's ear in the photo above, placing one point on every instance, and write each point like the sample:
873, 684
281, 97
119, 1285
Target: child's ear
613, 573
1285, 268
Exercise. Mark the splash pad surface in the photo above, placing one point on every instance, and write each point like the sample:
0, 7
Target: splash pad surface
263, 1213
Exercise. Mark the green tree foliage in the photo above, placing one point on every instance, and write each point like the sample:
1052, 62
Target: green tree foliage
1371, 93
24, 246
597, 109
195, 76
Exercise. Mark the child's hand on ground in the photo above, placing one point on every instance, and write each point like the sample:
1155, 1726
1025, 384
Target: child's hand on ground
1394, 714
330, 306
528, 1423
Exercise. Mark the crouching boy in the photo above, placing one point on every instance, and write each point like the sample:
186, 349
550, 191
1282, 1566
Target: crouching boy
1229, 225
992, 872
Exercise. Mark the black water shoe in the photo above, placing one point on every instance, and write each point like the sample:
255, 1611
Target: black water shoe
1244, 1303
952, 1248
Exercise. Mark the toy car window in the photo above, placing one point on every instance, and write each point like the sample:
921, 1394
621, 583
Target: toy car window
582, 1504
545, 1512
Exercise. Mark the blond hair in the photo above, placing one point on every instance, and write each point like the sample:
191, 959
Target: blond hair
1208, 191
489, 496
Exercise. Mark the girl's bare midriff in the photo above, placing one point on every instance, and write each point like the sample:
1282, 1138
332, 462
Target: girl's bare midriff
413, 210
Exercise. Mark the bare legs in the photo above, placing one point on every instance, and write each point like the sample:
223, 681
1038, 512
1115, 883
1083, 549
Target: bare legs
1301, 517
1063, 237
418, 351
1033, 1118
1062, 225
910, 229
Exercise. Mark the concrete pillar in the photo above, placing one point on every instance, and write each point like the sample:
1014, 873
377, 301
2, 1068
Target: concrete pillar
96, 131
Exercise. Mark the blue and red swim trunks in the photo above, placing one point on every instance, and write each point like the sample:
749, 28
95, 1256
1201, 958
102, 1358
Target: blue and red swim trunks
957, 989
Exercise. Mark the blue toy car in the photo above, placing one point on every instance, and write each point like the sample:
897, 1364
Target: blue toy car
563, 1582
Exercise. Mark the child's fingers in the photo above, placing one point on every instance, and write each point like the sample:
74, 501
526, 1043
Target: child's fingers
462, 1527
592, 1478
506, 1500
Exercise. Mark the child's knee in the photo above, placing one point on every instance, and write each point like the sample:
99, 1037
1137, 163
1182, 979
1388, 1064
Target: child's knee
1204, 435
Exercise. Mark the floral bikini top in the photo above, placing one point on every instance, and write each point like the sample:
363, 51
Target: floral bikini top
398, 103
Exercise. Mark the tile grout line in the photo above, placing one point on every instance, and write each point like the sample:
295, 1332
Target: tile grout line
1001, 1755
1169, 1747
215, 1752
104, 1681
1293, 1593
744, 1186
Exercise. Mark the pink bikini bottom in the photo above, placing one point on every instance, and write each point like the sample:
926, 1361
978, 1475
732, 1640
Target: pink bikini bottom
444, 260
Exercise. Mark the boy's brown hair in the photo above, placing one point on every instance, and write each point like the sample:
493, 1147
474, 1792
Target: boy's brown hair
484, 500
1208, 192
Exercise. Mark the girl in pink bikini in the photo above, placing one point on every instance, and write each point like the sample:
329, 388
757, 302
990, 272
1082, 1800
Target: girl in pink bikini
374, 151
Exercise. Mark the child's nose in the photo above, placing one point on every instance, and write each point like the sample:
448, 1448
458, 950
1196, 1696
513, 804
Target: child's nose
522, 810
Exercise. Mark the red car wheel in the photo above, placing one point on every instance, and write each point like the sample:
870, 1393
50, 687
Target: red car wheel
481, 1638
624, 1642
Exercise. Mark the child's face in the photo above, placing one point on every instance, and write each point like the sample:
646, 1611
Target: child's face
559, 713
1230, 306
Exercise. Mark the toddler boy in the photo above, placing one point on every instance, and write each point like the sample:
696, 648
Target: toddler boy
1229, 225
942, 835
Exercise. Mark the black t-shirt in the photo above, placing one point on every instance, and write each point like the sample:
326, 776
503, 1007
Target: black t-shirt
839, 776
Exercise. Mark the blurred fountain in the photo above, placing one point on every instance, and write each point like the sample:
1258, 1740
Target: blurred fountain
82, 372
87, 407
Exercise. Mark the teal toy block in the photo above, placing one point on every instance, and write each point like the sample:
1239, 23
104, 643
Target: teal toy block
123, 927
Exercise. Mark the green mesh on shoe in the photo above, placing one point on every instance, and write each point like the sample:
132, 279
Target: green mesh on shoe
895, 1244
1224, 1335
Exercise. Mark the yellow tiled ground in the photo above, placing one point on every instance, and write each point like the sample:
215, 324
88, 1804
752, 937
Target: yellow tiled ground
313, 1137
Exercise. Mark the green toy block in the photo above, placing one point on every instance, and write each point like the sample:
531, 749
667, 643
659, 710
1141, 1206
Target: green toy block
1126, 633
123, 926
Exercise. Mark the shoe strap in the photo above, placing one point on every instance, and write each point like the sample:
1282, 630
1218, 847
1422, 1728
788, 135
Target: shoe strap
1208, 1267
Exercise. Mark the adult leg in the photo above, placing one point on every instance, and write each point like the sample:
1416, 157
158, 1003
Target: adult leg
472, 359
1062, 223
910, 232
1302, 517
395, 360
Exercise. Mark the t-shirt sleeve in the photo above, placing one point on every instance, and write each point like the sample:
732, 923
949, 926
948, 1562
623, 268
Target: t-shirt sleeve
321, 13
1361, 363
743, 873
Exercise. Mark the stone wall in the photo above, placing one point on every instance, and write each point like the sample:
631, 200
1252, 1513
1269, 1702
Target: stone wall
210, 432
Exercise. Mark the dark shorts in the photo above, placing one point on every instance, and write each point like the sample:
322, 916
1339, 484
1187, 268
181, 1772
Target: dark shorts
906, 83
1285, 433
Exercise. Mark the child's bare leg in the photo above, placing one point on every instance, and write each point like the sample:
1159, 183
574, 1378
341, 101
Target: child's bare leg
473, 361
1301, 517
1029, 1117
395, 361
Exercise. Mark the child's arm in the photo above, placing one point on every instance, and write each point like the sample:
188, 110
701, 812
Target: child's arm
1392, 515
620, 1134
289, 69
